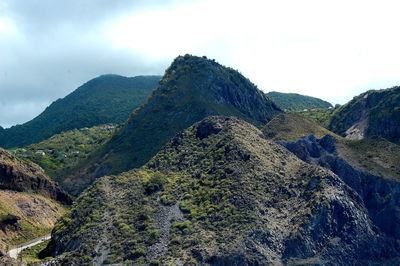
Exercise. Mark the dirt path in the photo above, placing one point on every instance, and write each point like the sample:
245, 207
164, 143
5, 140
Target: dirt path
13, 253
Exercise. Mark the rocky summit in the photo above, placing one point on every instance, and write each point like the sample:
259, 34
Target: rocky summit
191, 89
220, 193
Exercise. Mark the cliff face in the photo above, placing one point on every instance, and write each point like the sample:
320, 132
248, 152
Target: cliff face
380, 193
191, 89
21, 176
220, 193
373, 113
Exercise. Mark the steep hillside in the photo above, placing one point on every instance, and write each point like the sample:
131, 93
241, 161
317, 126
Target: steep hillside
296, 102
373, 113
221, 194
192, 89
18, 175
292, 127
30, 203
25, 216
105, 99
64, 151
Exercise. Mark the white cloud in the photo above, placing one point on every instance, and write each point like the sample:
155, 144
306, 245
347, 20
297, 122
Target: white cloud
328, 49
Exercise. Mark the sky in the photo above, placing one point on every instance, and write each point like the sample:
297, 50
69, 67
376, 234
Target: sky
333, 50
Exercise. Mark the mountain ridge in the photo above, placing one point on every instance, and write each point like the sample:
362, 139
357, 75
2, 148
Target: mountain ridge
191, 89
297, 102
105, 99
220, 193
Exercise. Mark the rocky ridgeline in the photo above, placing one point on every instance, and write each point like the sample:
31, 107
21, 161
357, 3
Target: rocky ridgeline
242, 199
191, 89
380, 195
22, 176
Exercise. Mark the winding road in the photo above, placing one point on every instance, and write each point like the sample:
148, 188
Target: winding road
13, 253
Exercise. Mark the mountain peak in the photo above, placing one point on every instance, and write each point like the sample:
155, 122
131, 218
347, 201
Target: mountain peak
191, 89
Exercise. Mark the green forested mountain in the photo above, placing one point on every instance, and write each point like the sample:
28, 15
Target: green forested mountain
191, 89
219, 193
296, 102
373, 113
105, 99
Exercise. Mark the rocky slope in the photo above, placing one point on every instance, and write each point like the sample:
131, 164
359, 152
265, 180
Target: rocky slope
105, 99
220, 193
375, 176
30, 203
191, 89
18, 175
373, 113
296, 102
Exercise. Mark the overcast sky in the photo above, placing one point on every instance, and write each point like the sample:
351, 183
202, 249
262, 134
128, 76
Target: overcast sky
333, 50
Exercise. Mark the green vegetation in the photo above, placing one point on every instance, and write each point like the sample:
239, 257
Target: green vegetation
211, 179
375, 113
376, 156
64, 151
291, 127
106, 99
320, 116
191, 89
31, 255
297, 102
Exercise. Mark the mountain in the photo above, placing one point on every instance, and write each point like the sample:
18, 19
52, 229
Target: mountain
373, 113
296, 102
30, 203
292, 127
220, 193
191, 89
369, 166
105, 99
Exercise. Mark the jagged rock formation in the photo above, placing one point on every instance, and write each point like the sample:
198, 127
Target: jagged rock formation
380, 194
22, 176
105, 99
296, 102
220, 193
192, 89
373, 113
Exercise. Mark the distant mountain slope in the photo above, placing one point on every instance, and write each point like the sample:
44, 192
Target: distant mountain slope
293, 127
373, 113
64, 151
192, 89
30, 203
296, 102
219, 193
105, 99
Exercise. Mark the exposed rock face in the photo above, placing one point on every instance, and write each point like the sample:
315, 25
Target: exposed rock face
373, 113
381, 195
219, 193
18, 175
192, 89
